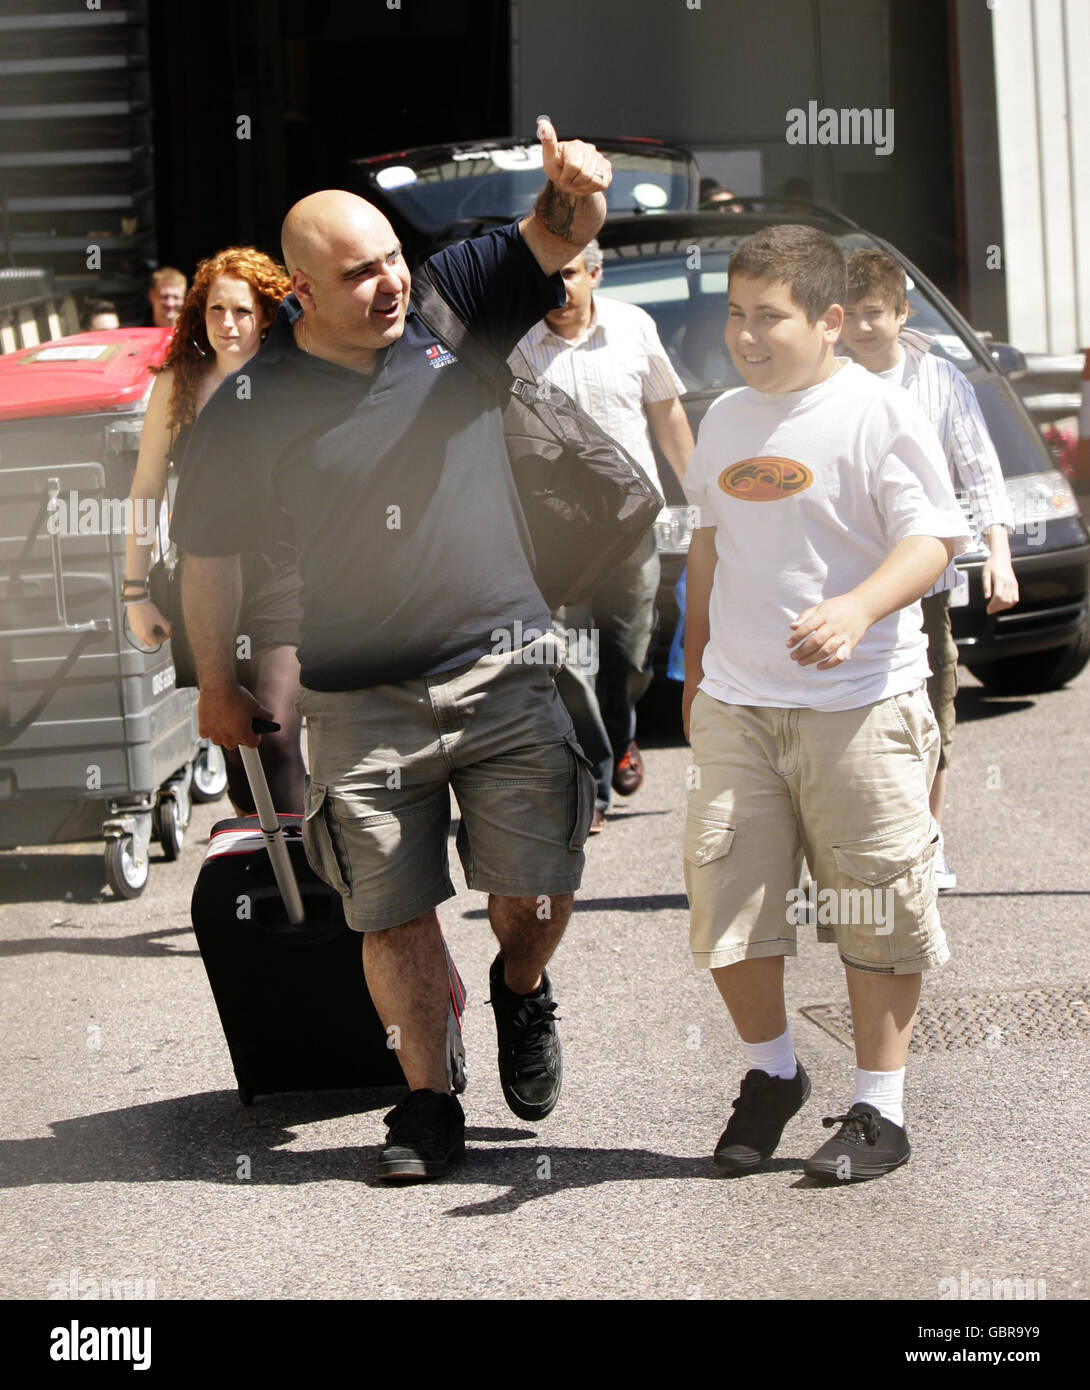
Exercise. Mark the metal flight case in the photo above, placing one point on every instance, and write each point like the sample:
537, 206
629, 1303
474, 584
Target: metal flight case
95, 737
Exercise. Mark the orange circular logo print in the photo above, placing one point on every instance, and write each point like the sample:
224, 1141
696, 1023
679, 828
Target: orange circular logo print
765, 479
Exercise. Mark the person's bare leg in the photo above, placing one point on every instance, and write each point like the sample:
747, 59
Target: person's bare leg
753, 992
937, 799
276, 685
238, 784
883, 1014
406, 972
529, 931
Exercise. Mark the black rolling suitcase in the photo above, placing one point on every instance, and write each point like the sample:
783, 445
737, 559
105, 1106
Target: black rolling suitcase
285, 968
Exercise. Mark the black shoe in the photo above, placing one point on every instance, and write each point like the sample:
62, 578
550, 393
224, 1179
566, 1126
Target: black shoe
628, 773
866, 1146
427, 1137
530, 1056
762, 1109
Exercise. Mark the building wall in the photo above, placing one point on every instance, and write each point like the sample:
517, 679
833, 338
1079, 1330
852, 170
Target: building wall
1042, 78
727, 73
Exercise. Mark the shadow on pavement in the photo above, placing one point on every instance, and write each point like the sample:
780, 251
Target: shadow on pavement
27, 876
34, 876
1015, 893
650, 902
973, 702
150, 944
197, 1138
205, 1138
582, 1168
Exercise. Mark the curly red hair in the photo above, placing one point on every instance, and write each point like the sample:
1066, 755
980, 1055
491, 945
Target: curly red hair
270, 283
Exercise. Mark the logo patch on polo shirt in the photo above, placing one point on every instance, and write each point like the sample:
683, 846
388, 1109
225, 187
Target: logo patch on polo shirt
439, 356
765, 479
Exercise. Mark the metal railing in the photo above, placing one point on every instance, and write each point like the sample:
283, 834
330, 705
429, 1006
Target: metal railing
31, 310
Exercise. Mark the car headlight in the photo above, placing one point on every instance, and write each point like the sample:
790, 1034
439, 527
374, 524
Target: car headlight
674, 530
1039, 497
1035, 498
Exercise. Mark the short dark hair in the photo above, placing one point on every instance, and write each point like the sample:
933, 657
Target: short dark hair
93, 307
876, 272
808, 261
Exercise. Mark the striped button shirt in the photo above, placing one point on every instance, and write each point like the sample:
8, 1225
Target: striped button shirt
948, 400
617, 367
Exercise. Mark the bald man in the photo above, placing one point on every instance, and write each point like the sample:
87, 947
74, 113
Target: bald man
424, 665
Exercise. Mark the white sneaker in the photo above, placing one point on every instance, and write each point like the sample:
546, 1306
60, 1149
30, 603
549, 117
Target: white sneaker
945, 878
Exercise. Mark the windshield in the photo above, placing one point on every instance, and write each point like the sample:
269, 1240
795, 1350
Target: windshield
503, 184
686, 296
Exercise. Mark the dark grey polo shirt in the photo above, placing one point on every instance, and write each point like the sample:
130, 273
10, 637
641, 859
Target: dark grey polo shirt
413, 549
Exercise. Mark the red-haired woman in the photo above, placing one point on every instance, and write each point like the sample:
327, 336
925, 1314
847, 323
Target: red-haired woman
226, 314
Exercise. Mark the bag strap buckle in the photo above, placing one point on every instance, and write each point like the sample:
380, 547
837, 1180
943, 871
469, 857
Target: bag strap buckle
530, 392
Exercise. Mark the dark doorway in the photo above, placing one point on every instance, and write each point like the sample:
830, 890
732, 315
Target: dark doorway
258, 102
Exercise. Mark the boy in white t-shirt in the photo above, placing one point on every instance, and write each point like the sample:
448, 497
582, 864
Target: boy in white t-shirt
825, 511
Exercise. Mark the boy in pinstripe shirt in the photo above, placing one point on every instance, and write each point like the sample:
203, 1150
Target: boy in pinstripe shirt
874, 332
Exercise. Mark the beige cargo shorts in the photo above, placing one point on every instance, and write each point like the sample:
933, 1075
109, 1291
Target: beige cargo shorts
848, 789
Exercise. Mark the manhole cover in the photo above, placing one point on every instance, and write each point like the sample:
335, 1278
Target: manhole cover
979, 1020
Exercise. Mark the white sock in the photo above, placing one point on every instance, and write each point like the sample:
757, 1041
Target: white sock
885, 1090
777, 1057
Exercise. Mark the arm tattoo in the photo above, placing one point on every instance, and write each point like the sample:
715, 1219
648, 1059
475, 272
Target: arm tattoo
556, 211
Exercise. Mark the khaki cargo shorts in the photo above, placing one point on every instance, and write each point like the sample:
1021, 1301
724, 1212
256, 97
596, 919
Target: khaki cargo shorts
942, 657
849, 789
382, 764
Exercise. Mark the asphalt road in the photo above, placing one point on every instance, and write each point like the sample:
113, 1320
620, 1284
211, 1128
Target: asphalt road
123, 1139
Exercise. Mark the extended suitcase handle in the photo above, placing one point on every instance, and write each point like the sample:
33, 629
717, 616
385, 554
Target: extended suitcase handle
271, 828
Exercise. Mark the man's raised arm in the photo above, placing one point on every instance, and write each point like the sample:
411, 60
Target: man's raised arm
571, 207
211, 594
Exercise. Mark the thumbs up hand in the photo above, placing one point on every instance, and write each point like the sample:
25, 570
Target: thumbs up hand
572, 166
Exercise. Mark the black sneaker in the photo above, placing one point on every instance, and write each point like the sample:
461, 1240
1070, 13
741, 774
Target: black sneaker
427, 1137
530, 1056
866, 1146
762, 1109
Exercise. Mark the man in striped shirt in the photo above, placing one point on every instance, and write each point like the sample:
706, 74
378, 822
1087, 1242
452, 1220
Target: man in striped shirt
875, 334
607, 356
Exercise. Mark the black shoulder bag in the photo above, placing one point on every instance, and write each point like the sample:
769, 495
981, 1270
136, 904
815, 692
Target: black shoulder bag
165, 591
586, 500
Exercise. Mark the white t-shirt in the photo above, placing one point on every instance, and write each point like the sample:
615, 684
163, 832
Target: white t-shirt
808, 492
895, 375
